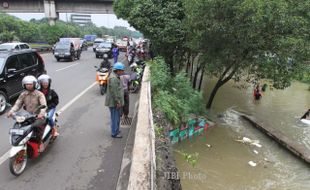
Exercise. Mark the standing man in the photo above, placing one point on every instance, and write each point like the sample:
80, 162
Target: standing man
115, 52
115, 98
125, 79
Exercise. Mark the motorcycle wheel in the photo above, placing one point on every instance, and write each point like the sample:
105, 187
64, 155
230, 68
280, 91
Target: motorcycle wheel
102, 89
134, 87
18, 163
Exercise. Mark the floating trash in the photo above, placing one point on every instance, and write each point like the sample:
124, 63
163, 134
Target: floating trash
246, 140
255, 151
252, 163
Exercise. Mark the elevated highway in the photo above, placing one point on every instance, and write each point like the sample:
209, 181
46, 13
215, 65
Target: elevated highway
52, 8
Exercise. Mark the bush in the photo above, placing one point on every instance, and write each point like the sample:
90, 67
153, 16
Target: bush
174, 96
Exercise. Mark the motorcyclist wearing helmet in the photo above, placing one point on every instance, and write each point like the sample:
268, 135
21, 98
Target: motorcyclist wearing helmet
115, 98
105, 63
30, 100
51, 99
133, 74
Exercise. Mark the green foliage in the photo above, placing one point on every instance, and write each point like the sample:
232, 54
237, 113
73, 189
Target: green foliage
174, 95
256, 38
160, 21
192, 159
12, 28
159, 131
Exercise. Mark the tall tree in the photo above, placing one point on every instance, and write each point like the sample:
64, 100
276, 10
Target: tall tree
250, 39
160, 20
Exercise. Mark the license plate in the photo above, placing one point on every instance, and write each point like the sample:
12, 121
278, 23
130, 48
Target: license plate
17, 131
61, 55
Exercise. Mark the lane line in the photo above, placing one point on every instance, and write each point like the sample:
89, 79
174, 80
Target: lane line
4, 157
67, 67
75, 98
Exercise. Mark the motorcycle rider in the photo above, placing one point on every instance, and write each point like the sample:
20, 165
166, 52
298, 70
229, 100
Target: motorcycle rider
30, 100
105, 63
51, 99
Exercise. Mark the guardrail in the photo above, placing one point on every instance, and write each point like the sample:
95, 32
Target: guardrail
143, 165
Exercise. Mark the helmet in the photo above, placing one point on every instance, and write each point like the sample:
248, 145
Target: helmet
134, 65
45, 78
105, 56
118, 66
29, 80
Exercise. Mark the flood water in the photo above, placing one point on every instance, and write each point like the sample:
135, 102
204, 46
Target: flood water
224, 165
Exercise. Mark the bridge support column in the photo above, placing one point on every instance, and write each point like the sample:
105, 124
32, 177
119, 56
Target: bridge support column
50, 11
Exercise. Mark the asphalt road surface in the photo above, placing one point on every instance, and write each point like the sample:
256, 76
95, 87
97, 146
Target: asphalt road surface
84, 156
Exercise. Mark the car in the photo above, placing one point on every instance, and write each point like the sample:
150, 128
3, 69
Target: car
96, 43
68, 49
104, 47
122, 45
14, 46
14, 66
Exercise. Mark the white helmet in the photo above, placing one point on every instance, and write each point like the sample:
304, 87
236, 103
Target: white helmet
29, 80
134, 65
45, 78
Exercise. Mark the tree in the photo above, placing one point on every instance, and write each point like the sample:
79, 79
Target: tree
250, 40
160, 21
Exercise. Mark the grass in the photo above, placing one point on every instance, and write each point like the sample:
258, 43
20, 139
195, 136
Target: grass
33, 45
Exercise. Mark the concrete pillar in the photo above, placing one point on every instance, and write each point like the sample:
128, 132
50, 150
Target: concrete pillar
50, 11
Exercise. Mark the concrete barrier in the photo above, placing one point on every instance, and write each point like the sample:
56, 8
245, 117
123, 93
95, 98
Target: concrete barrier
143, 165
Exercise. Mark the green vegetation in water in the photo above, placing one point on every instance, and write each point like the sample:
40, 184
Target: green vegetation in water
192, 159
173, 95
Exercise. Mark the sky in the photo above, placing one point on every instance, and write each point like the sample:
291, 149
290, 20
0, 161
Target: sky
107, 20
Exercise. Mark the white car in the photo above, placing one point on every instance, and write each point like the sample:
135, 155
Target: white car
96, 43
14, 46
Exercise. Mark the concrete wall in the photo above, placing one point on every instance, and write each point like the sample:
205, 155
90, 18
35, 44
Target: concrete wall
62, 6
143, 165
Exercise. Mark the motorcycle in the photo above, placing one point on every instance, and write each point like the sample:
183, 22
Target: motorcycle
136, 78
24, 142
102, 76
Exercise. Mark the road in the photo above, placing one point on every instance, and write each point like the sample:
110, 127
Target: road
84, 156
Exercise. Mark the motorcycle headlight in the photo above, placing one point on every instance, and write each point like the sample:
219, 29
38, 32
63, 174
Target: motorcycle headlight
20, 119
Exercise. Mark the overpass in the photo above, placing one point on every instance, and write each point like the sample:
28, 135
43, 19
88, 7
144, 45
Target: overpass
52, 8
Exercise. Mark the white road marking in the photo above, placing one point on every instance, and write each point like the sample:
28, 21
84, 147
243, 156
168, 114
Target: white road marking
75, 98
67, 67
4, 157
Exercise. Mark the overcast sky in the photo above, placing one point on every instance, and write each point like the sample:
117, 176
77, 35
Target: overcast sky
107, 20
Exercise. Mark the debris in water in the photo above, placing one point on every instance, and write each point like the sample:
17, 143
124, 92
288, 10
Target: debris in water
251, 163
250, 141
257, 145
255, 151
208, 145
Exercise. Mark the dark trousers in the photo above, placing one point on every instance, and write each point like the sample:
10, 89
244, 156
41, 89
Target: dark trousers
39, 126
126, 104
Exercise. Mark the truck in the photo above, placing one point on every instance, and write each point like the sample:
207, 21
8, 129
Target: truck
68, 48
90, 37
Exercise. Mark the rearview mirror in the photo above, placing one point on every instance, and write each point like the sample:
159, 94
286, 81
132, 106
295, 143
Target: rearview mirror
11, 70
